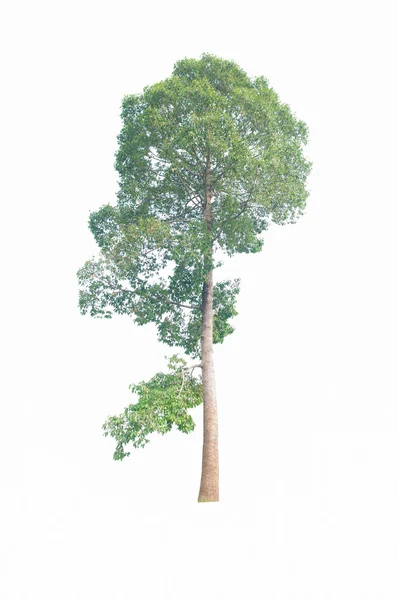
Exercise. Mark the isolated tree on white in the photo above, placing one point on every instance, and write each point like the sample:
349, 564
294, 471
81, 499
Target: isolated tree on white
207, 160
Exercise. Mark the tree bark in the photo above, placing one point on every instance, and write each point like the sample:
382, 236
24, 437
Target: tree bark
209, 487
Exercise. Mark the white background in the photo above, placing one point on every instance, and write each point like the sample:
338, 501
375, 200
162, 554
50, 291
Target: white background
307, 386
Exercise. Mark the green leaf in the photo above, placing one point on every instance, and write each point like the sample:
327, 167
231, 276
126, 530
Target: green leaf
163, 401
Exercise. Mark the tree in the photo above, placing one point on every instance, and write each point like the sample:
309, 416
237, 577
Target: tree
207, 159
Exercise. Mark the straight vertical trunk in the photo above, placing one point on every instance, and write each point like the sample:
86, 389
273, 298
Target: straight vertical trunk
209, 480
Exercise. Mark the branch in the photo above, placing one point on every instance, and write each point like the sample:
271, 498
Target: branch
157, 299
185, 166
180, 158
193, 367
187, 188
190, 368
181, 218
183, 380
151, 296
195, 151
167, 162
197, 366
235, 216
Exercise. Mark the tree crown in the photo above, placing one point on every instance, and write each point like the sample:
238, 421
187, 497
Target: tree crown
209, 124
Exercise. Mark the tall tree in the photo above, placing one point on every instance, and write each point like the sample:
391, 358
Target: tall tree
207, 159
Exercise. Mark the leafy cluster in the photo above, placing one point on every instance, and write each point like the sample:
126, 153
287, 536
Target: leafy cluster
145, 273
162, 402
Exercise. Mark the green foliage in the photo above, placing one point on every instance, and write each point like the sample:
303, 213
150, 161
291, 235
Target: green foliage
154, 245
162, 402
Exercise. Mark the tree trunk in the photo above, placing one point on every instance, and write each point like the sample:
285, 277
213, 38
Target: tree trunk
209, 480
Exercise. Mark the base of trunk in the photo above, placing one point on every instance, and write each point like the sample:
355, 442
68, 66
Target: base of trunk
203, 499
209, 483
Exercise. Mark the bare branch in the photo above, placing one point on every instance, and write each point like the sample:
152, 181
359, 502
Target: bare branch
183, 380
